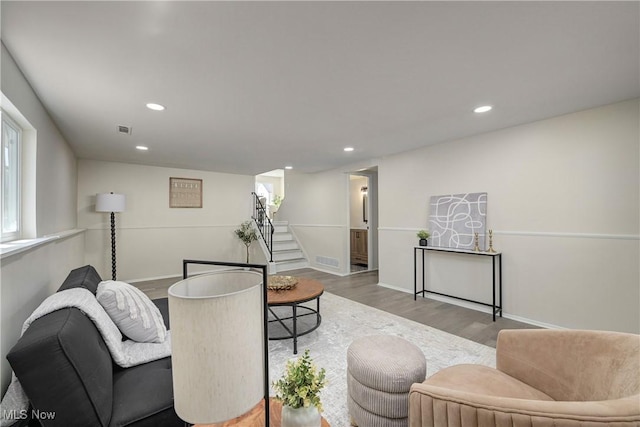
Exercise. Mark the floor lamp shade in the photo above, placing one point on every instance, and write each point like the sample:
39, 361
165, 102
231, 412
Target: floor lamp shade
110, 202
217, 335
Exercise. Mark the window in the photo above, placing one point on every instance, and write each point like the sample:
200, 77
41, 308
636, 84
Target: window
10, 156
264, 190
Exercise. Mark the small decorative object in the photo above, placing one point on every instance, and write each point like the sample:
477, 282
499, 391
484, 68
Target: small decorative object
491, 250
281, 283
185, 193
476, 247
423, 235
247, 234
299, 391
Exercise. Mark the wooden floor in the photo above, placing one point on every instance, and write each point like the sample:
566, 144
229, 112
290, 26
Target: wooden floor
362, 287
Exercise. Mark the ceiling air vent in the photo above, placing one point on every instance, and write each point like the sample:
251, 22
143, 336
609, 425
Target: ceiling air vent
124, 129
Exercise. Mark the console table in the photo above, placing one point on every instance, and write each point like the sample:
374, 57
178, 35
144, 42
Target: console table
495, 256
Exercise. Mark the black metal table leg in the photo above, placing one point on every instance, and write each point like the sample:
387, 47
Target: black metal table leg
493, 294
500, 271
423, 269
415, 273
295, 328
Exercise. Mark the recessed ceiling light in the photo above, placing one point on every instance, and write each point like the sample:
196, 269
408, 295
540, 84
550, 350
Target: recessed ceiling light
141, 148
348, 149
288, 167
156, 107
483, 109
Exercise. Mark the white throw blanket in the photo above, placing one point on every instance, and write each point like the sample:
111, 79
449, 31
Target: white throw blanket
124, 353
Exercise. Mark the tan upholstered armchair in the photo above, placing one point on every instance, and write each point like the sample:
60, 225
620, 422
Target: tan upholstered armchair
554, 378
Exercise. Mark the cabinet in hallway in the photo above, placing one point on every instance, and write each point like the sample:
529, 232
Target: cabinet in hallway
359, 244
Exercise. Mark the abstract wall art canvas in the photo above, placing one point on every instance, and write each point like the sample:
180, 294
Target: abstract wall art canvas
455, 218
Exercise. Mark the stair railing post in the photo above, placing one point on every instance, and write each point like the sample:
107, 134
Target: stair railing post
264, 224
271, 240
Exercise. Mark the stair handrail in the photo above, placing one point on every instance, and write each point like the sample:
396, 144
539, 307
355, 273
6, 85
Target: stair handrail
263, 223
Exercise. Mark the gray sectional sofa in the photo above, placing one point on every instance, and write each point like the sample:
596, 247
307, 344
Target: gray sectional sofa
66, 370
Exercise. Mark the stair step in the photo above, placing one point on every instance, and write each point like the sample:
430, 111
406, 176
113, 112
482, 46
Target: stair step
287, 255
291, 265
282, 237
285, 245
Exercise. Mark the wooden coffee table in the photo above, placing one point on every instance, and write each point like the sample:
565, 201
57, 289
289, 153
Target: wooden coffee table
255, 418
305, 290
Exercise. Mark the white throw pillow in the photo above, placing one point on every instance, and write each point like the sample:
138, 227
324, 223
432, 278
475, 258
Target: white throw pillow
132, 311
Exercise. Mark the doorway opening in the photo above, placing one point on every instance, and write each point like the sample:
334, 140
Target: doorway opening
269, 187
363, 220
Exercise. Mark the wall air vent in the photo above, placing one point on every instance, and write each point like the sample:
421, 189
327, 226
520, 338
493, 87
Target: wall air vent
325, 260
124, 129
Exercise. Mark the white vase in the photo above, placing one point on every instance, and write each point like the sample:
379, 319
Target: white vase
300, 417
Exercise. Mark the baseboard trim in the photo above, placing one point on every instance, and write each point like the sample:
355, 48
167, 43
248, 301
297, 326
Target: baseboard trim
476, 307
351, 273
335, 273
533, 322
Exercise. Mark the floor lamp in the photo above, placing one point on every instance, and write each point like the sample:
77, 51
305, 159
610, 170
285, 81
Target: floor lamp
110, 202
219, 343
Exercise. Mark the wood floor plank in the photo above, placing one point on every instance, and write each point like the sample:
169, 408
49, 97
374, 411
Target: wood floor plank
363, 288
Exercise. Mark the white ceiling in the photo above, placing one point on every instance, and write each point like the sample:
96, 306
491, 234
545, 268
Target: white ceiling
253, 86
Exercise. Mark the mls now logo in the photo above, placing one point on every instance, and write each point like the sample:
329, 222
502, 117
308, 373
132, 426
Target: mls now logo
22, 414
15, 414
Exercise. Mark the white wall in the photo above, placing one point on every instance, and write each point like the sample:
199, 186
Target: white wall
56, 162
153, 239
317, 210
563, 201
28, 277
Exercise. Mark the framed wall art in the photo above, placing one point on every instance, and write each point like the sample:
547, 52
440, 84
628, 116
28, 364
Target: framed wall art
185, 193
455, 218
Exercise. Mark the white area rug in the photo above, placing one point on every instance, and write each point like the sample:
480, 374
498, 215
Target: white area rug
344, 320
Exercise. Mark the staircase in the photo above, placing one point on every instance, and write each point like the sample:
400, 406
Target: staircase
280, 247
287, 254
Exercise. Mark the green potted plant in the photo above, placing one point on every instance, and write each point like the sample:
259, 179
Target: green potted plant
247, 234
423, 235
299, 391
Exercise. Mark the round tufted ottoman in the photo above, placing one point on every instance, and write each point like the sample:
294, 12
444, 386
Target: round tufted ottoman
380, 371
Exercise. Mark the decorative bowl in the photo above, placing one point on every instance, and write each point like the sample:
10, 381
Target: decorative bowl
281, 283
